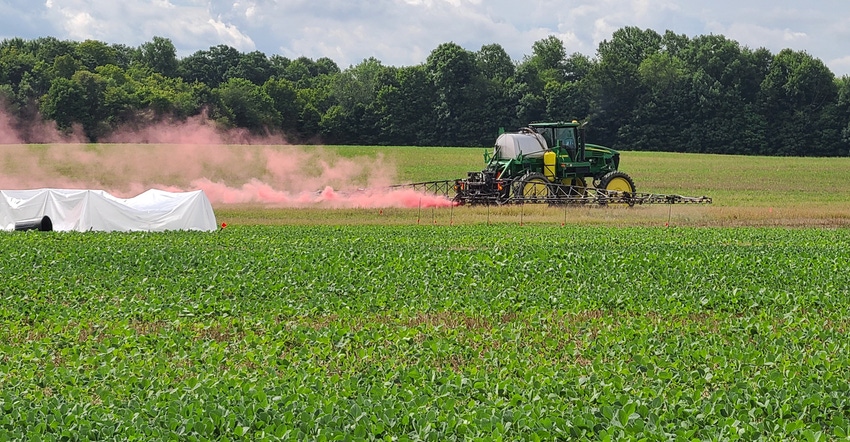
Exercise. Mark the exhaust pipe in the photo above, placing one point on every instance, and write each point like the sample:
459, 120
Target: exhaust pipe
42, 224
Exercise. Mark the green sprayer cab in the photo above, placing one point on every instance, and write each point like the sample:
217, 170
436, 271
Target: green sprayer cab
545, 161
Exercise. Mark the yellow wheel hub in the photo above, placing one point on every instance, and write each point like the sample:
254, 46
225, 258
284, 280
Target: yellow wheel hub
535, 188
620, 184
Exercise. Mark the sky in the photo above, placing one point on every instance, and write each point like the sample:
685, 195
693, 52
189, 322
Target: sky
404, 32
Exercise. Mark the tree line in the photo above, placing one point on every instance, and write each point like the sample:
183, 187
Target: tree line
642, 91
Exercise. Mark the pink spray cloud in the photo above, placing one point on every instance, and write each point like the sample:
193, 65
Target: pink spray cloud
8, 134
16, 131
231, 167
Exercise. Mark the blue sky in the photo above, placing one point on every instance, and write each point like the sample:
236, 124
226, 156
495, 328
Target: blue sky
404, 32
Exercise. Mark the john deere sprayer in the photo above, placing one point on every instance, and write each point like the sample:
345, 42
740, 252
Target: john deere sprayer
552, 163
549, 163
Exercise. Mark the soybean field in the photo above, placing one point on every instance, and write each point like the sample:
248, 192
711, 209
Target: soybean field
424, 332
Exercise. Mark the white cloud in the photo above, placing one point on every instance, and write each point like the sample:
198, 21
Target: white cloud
840, 66
164, 4
78, 24
189, 23
404, 32
231, 35
790, 35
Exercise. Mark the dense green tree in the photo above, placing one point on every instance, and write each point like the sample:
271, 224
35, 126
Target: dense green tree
160, 56
209, 67
125, 55
65, 103
28, 89
48, 48
222, 59
796, 94
737, 72
16, 44
326, 66
65, 66
285, 99
407, 105
724, 85
93, 53
577, 66
302, 71
22, 73
497, 106
196, 68
630, 45
14, 63
309, 122
299, 71
94, 118
253, 66
459, 88
119, 103
336, 127
358, 85
527, 80
244, 104
568, 101
843, 114
353, 118
616, 86
495, 64
673, 43
643, 91
530, 108
166, 97
549, 57
278, 65
549, 85
7, 99
37, 81
355, 125
318, 94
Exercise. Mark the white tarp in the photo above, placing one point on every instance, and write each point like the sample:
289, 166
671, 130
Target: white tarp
510, 145
84, 210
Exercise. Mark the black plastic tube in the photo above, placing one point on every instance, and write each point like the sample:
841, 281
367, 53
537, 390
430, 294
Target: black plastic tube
42, 224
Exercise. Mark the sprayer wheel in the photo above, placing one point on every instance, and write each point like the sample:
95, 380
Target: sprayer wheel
533, 187
620, 186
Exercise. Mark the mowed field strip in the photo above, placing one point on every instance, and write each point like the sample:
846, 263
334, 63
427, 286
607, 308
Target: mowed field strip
746, 190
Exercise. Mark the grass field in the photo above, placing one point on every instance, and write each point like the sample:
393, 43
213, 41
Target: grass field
732, 180
747, 191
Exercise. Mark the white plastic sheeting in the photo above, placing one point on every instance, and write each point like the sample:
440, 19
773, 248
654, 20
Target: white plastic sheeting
510, 145
85, 210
